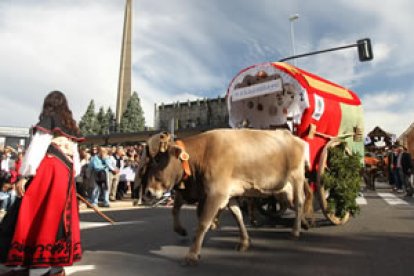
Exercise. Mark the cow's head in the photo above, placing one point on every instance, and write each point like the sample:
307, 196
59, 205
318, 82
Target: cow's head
164, 169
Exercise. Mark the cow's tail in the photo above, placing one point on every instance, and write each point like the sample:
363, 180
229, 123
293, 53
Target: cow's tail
308, 205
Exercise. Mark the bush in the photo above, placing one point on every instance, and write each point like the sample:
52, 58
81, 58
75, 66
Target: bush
342, 178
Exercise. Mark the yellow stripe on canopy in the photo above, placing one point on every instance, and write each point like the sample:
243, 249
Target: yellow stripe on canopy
328, 88
317, 84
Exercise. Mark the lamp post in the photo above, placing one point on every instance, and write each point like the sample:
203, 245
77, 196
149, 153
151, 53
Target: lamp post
292, 18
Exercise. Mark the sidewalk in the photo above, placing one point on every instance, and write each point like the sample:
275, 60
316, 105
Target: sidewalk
123, 204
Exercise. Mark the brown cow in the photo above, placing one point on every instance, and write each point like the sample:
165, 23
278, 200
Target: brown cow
231, 163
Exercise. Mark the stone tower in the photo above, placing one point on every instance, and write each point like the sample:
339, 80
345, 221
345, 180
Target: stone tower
124, 83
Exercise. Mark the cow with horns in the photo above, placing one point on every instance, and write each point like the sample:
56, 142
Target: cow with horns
228, 163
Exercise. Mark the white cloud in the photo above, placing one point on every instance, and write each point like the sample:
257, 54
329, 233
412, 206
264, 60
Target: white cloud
385, 110
57, 48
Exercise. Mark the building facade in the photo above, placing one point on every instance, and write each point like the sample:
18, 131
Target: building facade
407, 139
201, 113
14, 136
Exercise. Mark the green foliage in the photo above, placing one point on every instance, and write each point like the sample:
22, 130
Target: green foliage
104, 122
342, 178
110, 118
102, 125
133, 118
88, 122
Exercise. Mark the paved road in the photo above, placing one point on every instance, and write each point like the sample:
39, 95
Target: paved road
379, 241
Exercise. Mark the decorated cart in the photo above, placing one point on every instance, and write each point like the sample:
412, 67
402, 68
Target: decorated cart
324, 114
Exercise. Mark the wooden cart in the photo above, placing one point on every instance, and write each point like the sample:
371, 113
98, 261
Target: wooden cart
324, 114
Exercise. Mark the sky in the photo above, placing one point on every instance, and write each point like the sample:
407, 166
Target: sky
189, 49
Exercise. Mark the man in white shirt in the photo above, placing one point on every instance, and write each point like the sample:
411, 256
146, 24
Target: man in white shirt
117, 160
6, 160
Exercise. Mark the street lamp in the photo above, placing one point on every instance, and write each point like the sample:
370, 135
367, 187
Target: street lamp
292, 18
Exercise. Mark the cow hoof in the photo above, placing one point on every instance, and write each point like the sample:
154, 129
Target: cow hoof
242, 247
305, 225
294, 236
214, 226
181, 232
191, 259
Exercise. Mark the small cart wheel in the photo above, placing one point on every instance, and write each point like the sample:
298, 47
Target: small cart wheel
323, 194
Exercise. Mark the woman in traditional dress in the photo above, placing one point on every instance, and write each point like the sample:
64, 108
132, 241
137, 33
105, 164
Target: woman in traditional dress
43, 232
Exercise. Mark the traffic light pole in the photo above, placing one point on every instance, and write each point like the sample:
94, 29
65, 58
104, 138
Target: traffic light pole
364, 50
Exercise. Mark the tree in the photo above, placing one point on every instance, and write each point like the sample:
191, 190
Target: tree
87, 124
133, 118
110, 118
102, 123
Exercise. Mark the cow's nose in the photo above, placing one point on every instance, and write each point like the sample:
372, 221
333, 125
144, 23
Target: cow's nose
156, 193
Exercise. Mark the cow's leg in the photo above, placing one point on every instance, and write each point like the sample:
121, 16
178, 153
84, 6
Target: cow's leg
213, 203
237, 213
178, 203
216, 222
308, 206
299, 198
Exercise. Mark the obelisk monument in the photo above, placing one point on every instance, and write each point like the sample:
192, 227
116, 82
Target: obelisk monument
124, 83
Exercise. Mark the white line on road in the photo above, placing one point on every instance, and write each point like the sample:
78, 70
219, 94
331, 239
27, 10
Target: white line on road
392, 199
361, 200
77, 268
89, 225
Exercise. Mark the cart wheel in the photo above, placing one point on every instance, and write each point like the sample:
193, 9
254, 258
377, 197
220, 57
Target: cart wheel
323, 194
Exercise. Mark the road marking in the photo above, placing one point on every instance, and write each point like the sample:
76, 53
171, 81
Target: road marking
90, 225
77, 268
361, 200
392, 199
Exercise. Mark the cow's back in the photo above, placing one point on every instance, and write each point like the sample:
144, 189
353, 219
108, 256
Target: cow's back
253, 157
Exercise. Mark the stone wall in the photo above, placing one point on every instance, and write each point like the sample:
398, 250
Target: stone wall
211, 113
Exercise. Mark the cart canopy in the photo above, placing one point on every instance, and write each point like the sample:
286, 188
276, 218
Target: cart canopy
276, 94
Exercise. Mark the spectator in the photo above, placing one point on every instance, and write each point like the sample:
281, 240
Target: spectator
405, 170
100, 171
18, 162
6, 160
8, 191
392, 165
118, 159
397, 169
82, 179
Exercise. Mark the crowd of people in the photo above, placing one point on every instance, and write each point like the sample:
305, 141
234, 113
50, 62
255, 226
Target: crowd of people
11, 161
400, 169
395, 164
108, 174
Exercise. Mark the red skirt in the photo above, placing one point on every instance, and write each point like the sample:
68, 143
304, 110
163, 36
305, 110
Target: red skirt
47, 229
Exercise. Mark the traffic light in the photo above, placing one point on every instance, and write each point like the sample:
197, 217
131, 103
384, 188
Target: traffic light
365, 49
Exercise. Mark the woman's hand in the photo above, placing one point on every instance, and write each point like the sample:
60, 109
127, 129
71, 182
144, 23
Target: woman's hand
20, 187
